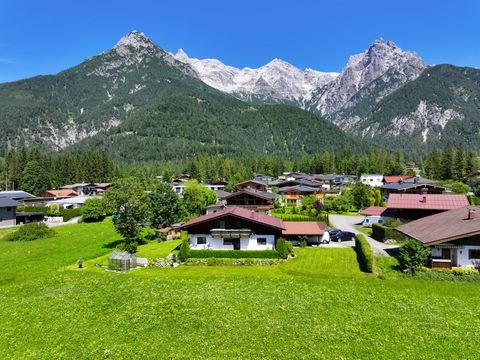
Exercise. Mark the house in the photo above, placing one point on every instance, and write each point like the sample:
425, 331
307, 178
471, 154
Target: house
8, 212
413, 185
16, 195
179, 187
293, 194
234, 228
72, 202
102, 187
171, 232
58, 193
219, 205
252, 184
256, 200
453, 236
82, 188
311, 230
376, 214
373, 180
415, 206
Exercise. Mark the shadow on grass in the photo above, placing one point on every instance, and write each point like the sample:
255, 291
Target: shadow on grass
112, 245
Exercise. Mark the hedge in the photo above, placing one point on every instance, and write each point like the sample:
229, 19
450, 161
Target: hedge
382, 233
365, 254
70, 213
300, 217
234, 254
66, 213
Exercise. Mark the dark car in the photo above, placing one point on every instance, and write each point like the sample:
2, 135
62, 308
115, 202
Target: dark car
343, 236
333, 231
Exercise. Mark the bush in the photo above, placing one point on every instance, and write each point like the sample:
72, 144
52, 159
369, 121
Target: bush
382, 233
234, 254
70, 213
412, 255
282, 248
184, 252
31, 231
365, 254
299, 217
94, 210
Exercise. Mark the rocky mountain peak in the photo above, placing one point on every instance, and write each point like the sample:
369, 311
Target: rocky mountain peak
136, 40
381, 57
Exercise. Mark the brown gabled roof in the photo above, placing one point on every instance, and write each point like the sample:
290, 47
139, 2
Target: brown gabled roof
238, 212
373, 211
443, 227
426, 202
304, 228
396, 179
251, 181
253, 192
63, 192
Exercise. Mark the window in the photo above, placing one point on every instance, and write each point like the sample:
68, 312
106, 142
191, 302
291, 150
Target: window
261, 241
227, 242
474, 254
201, 240
9, 209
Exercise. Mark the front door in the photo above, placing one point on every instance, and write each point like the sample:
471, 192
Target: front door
446, 253
236, 244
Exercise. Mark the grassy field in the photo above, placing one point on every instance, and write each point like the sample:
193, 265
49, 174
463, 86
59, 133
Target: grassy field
318, 305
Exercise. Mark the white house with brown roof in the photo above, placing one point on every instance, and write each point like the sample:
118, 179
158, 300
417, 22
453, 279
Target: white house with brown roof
453, 236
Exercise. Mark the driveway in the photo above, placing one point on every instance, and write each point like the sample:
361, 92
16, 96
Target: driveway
352, 223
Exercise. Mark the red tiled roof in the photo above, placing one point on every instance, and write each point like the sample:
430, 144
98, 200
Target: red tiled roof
373, 211
443, 227
304, 228
395, 179
426, 202
239, 212
65, 192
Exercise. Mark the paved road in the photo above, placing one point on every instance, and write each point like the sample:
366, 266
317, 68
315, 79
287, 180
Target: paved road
351, 223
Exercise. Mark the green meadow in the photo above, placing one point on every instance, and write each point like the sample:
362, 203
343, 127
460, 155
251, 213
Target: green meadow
318, 305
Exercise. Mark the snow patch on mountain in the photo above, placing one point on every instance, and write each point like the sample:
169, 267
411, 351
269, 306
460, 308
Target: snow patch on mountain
277, 80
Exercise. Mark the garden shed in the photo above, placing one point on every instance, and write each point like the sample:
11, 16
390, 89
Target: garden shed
122, 261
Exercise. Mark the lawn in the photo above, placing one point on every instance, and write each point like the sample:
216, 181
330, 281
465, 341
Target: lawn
318, 305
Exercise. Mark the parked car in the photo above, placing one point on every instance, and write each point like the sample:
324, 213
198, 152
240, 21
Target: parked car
343, 236
332, 231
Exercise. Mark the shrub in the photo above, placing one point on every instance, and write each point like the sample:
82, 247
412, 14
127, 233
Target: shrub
382, 233
70, 213
31, 231
365, 254
412, 255
184, 252
282, 248
94, 210
234, 254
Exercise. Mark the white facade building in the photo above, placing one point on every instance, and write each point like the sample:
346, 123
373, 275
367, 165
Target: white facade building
373, 180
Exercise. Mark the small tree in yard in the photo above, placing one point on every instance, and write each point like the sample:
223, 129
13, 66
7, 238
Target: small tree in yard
94, 210
282, 248
412, 255
184, 252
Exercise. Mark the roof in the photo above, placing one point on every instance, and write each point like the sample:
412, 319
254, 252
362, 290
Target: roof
17, 194
443, 227
73, 200
6, 202
221, 194
251, 181
409, 185
426, 202
238, 212
63, 192
373, 211
396, 179
71, 186
104, 184
304, 228
253, 192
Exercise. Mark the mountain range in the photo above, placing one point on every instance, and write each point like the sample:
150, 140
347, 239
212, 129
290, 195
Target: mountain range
142, 103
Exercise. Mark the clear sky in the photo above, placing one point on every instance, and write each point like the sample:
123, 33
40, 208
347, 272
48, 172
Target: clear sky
45, 37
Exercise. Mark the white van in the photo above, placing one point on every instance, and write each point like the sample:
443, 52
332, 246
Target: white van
368, 221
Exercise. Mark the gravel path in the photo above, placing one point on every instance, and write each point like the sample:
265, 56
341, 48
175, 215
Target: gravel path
352, 223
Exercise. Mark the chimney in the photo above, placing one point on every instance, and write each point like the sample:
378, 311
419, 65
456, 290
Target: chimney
471, 213
415, 180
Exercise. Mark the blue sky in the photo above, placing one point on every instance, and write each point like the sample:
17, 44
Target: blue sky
44, 37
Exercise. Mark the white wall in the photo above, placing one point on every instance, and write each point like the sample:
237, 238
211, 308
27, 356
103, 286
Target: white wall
372, 180
459, 255
245, 243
